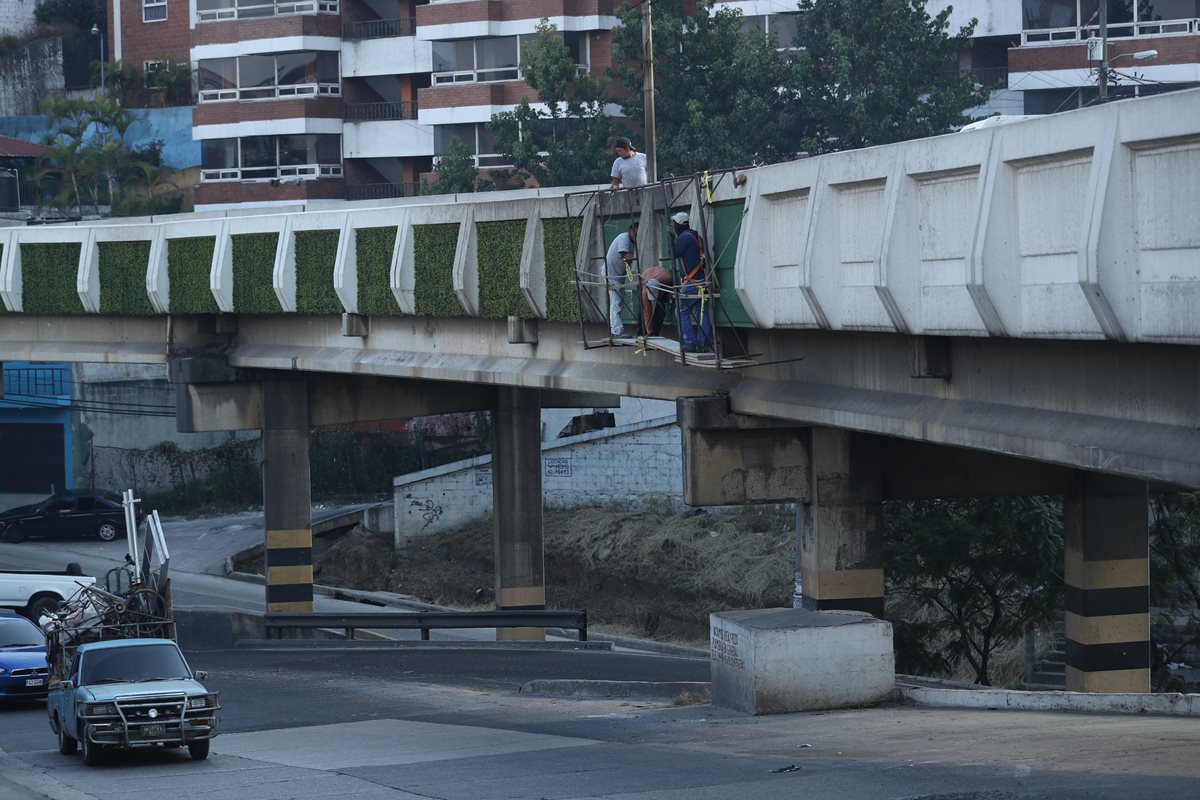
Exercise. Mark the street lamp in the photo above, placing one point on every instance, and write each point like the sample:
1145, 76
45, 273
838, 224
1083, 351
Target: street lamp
96, 32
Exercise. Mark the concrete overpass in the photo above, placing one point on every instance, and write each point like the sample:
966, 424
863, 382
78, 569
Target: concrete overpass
1003, 311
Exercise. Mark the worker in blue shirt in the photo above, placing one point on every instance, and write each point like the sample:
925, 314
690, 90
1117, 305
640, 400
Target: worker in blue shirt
695, 306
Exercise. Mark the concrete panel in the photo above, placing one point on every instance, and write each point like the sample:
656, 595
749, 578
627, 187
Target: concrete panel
778, 661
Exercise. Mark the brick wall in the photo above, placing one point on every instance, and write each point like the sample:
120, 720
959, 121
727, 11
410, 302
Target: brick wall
1171, 50
294, 108
243, 30
634, 465
499, 10
476, 94
149, 41
324, 189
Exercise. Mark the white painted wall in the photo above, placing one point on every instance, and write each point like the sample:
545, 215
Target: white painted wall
16, 16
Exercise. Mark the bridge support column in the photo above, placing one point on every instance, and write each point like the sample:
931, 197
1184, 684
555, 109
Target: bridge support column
1107, 570
841, 531
517, 506
287, 495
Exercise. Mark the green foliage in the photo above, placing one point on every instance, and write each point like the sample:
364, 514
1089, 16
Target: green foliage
49, 275
205, 478
1174, 583
70, 14
500, 245
123, 278
722, 91
566, 144
978, 572
253, 273
877, 76
455, 171
316, 255
189, 263
373, 257
560, 239
433, 255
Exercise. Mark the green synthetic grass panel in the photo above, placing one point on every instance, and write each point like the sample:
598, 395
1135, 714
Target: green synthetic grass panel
123, 278
189, 262
316, 256
253, 273
433, 256
727, 226
500, 245
49, 277
373, 256
560, 240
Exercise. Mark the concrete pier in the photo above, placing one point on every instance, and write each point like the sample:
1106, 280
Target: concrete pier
287, 496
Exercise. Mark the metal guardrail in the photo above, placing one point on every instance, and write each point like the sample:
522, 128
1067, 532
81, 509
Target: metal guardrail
379, 28
424, 621
370, 112
381, 191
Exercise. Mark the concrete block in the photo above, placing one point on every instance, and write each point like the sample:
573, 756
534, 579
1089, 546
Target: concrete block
780, 660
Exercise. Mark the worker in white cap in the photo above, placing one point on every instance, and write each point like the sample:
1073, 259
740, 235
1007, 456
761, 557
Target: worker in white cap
695, 307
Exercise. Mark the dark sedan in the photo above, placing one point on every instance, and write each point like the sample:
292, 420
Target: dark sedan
67, 514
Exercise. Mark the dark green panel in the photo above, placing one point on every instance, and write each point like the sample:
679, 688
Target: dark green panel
434, 247
727, 226
499, 250
189, 262
123, 278
316, 256
49, 278
373, 256
253, 273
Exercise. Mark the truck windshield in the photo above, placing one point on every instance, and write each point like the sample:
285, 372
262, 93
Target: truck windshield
145, 662
19, 633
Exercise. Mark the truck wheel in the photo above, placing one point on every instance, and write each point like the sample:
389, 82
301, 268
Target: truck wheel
199, 749
13, 533
106, 532
42, 604
66, 743
92, 755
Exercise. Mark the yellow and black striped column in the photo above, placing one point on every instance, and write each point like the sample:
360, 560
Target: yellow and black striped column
1107, 571
517, 507
841, 541
287, 507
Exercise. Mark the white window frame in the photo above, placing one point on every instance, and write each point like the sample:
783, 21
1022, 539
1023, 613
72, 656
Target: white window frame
150, 66
281, 91
154, 4
476, 75
1083, 30
304, 172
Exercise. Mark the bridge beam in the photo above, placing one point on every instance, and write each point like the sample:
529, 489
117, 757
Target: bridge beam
1107, 570
841, 530
517, 506
287, 495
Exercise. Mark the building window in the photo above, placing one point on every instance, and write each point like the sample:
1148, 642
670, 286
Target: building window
782, 27
216, 10
303, 74
302, 156
475, 136
150, 70
1073, 20
495, 58
154, 10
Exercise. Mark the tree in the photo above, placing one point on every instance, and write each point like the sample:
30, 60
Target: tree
877, 72
170, 83
455, 171
77, 14
567, 143
979, 570
720, 89
1174, 578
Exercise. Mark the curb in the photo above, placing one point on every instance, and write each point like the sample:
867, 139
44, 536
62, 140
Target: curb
1176, 705
583, 689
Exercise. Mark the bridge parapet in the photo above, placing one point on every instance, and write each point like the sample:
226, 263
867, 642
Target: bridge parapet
1073, 226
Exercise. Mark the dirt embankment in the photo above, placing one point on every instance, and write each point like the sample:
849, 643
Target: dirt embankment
641, 573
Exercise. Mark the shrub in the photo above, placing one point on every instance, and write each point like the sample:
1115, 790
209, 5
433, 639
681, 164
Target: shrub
500, 246
253, 273
123, 278
49, 274
373, 258
189, 262
316, 255
433, 253
560, 239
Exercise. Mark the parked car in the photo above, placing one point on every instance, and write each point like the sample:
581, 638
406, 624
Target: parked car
23, 670
67, 514
36, 592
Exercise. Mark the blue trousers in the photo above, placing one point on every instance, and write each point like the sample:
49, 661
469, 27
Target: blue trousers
695, 317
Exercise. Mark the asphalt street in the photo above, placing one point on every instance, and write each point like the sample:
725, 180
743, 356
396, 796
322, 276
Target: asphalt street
449, 723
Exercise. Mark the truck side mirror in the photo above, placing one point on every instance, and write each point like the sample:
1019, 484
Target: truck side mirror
201, 674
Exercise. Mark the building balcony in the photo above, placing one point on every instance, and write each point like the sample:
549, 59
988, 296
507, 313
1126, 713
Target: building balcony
398, 138
271, 92
404, 55
1116, 30
217, 11
373, 112
273, 175
381, 191
379, 28
471, 18
245, 31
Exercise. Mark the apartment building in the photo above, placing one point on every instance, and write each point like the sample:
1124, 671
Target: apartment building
329, 99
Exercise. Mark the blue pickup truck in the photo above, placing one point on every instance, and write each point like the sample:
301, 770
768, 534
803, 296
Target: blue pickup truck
130, 693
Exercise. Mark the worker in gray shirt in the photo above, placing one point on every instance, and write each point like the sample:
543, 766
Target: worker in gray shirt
618, 265
629, 167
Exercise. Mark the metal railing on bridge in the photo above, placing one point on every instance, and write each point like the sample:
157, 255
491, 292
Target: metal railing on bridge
370, 112
379, 28
381, 191
424, 621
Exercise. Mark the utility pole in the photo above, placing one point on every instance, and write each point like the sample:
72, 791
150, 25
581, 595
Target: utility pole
648, 91
1103, 50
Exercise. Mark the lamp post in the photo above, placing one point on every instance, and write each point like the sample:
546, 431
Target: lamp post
97, 32
648, 91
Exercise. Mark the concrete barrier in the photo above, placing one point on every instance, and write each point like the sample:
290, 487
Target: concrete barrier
780, 660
